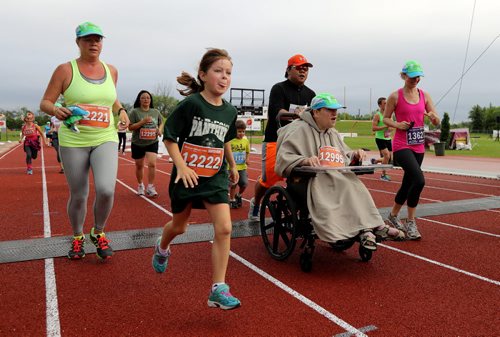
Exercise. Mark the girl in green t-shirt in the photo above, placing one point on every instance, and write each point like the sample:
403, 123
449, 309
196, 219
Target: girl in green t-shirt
197, 136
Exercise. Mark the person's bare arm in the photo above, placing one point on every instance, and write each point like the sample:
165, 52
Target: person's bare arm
389, 110
431, 110
58, 83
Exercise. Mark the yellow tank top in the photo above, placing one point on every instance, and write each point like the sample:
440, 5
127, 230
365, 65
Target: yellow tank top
99, 127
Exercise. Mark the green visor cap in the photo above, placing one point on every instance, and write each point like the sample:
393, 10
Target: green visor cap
325, 100
88, 28
413, 69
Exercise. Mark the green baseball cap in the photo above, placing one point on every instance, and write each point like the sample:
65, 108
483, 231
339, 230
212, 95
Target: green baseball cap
412, 69
88, 28
325, 100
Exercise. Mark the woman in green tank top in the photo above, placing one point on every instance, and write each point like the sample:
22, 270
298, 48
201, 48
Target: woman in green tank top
90, 84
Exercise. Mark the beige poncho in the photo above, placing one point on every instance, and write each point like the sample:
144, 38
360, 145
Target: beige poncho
339, 203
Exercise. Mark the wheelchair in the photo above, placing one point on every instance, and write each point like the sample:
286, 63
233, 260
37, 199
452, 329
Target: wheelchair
284, 219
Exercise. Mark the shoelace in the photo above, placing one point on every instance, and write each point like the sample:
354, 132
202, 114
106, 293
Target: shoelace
102, 242
77, 245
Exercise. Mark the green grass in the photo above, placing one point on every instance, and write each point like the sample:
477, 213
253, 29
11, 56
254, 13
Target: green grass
484, 146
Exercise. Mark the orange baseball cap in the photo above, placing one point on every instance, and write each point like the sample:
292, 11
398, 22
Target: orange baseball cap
298, 60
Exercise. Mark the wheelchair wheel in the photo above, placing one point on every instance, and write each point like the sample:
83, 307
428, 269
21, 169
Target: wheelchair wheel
280, 234
365, 254
342, 245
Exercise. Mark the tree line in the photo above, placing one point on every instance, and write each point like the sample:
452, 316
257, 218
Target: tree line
484, 119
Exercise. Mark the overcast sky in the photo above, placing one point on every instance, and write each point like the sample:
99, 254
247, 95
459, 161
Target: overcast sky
356, 46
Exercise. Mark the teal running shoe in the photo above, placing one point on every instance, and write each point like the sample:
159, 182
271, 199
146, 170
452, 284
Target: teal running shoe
222, 298
160, 261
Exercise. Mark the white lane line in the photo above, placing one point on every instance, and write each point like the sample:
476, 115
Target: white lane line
52, 307
316, 307
143, 197
460, 227
440, 188
389, 192
479, 277
10, 151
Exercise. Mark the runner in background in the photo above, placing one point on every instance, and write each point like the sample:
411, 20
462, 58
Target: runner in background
197, 135
241, 152
30, 137
289, 97
55, 124
122, 137
146, 124
48, 135
410, 105
90, 84
382, 137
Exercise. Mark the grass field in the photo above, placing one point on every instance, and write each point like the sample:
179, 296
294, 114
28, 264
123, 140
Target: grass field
483, 145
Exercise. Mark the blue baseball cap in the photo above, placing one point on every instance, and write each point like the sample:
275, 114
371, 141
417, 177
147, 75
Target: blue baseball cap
325, 100
412, 69
88, 28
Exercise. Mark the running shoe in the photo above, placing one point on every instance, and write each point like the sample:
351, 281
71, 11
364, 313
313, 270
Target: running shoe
140, 189
373, 161
253, 212
394, 220
77, 252
104, 250
151, 192
385, 177
222, 298
29, 172
233, 204
160, 261
239, 200
413, 233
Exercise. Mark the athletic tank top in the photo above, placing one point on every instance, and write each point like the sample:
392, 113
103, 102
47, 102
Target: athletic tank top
413, 138
99, 126
30, 132
381, 134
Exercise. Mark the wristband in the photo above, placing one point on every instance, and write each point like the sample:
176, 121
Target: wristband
119, 110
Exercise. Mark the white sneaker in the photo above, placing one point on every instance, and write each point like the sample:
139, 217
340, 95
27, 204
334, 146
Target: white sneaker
413, 233
253, 212
140, 189
151, 192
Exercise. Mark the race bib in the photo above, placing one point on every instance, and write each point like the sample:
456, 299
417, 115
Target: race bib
205, 161
98, 117
415, 136
147, 134
29, 131
330, 156
240, 157
387, 133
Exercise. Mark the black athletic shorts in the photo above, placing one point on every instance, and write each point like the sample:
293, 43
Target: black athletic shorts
384, 144
138, 152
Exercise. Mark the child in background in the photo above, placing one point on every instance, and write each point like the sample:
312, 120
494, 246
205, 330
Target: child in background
30, 134
241, 151
197, 136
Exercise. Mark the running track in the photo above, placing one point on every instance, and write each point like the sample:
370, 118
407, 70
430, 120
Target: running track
448, 284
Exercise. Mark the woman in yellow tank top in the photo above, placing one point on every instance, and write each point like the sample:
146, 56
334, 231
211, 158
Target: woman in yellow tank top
90, 84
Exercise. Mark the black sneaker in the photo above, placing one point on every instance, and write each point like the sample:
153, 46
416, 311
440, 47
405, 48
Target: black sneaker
239, 200
233, 204
77, 252
104, 250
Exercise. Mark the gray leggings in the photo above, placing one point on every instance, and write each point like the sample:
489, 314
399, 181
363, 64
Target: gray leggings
77, 161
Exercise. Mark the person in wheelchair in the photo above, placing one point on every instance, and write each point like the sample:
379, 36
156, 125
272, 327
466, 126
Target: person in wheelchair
339, 204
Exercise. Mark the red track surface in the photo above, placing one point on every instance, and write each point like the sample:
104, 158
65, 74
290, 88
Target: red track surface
448, 287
